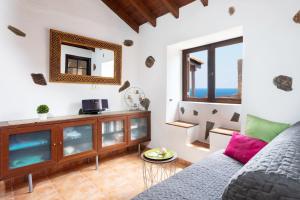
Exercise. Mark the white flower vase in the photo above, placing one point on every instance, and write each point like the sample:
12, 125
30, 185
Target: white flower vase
43, 116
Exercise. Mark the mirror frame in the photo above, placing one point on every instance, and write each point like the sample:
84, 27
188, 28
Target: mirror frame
59, 37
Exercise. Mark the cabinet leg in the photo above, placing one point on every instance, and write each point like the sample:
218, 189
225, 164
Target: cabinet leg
30, 186
139, 149
97, 162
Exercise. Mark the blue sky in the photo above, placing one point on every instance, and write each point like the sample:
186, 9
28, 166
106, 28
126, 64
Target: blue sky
226, 66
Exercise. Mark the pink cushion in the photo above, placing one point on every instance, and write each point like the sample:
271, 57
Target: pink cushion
242, 148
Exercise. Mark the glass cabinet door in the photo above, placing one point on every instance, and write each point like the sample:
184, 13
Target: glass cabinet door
139, 128
77, 139
112, 133
29, 148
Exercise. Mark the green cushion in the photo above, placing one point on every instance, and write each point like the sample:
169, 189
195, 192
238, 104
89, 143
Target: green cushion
263, 129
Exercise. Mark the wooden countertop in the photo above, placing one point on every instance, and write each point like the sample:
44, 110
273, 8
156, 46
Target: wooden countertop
67, 118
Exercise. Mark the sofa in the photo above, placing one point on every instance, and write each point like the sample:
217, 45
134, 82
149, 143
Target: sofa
272, 174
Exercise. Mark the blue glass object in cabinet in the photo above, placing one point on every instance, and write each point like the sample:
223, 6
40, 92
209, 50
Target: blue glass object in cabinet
139, 128
78, 139
30, 148
112, 133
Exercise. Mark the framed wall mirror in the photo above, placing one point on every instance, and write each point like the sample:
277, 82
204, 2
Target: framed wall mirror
79, 59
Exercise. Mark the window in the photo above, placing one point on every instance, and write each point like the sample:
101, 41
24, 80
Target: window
213, 73
77, 65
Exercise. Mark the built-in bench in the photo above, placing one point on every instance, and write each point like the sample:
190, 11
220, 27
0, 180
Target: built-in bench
184, 139
219, 138
182, 124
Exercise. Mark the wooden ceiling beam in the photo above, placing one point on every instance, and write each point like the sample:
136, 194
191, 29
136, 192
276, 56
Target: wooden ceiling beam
172, 7
144, 11
204, 2
122, 14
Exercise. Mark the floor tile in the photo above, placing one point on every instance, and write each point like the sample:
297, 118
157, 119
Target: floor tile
119, 178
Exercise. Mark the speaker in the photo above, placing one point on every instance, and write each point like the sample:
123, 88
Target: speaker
90, 106
104, 104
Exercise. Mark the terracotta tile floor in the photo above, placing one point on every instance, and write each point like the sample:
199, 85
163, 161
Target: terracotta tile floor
117, 179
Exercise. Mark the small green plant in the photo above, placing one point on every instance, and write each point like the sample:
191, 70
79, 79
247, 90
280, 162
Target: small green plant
42, 109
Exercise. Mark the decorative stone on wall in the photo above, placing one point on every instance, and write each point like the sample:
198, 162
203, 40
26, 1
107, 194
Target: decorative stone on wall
182, 110
297, 17
195, 113
128, 43
145, 103
209, 127
215, 111
125, 85
283, 83
149, 61
231, 11
235, 117
39, 79
16, 31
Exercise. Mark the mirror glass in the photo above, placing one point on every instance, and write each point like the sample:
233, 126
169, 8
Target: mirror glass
87, 61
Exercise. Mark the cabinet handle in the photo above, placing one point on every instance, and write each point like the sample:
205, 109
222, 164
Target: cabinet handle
54, 144
60, 142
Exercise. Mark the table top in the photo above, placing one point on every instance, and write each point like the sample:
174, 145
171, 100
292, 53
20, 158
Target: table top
66, 118
159, 161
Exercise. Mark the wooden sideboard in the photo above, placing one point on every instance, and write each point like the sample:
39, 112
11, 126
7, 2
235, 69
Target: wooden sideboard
28, 146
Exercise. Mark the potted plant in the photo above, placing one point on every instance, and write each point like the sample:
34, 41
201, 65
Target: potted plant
43, 111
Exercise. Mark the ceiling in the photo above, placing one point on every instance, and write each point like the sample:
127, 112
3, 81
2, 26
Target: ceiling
138, 12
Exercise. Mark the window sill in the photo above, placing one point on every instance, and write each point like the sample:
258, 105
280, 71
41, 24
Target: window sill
223, 101
211, 103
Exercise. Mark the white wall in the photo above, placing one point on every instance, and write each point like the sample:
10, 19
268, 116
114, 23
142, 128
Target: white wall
22, 56
271, 41
221, 119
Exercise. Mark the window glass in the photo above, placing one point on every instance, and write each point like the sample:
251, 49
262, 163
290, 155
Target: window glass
198, 74
213, 72
228, 65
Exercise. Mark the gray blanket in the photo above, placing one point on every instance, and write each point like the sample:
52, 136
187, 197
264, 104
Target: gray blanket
273, 174
205, 180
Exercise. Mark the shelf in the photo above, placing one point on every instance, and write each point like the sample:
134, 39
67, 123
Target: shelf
113, 132
72, 136
139, 128
78, 139
26, 158
78, 148
112, 139
27, 145
135, 135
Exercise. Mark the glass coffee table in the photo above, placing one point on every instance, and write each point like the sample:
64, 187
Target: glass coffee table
155, 171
